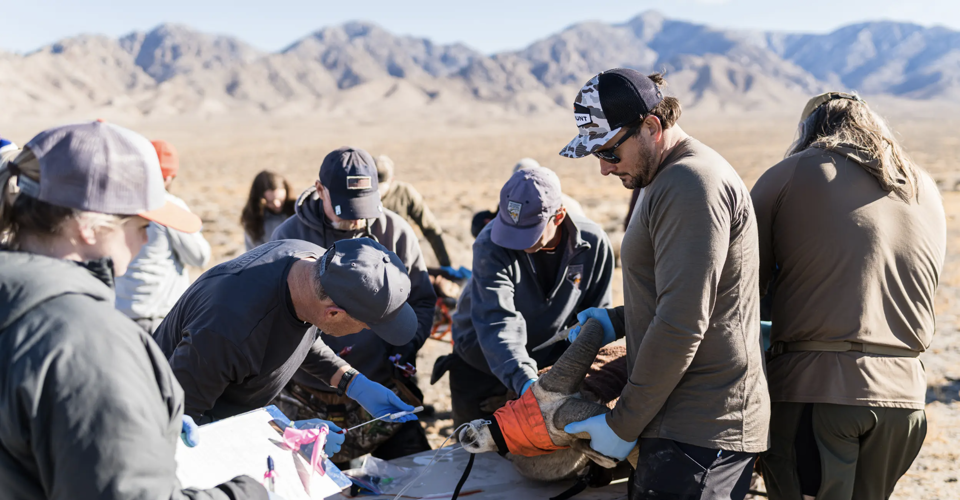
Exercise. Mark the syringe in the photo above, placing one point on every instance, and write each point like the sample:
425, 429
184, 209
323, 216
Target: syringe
392, 416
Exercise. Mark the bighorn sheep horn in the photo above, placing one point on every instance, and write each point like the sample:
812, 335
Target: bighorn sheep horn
557, 393
568, 372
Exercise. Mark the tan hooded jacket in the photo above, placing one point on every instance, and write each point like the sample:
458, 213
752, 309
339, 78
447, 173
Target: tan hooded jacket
856, 263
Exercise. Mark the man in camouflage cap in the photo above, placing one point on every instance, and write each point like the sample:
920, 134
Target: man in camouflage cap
696, 408
624, 100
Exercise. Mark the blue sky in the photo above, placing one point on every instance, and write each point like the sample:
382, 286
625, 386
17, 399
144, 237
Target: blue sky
487, 25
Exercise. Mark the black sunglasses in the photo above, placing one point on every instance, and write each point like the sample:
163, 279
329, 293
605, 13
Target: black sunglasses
609, 155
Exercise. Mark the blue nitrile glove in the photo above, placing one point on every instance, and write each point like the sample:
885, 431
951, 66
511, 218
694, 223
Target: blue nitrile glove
602, 437
377, 399
334, 437
526, 385
599, 314
189, 432
461, 274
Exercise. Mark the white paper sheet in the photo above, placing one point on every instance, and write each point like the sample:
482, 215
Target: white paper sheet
240, 445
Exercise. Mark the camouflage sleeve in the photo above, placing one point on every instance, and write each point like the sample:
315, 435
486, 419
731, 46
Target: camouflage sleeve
420, 213
422, 298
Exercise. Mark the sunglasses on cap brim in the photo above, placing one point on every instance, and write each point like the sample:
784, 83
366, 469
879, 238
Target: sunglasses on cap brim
609, 155
814, 104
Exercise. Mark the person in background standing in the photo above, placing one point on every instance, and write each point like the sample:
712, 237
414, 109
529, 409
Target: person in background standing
853, 235
271, 202
404, 199
158, 275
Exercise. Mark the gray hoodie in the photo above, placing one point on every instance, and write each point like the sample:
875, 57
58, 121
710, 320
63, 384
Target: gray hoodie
368, 353
158, 275
89, 407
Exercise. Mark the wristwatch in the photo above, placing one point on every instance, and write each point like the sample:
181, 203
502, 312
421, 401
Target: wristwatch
345, 381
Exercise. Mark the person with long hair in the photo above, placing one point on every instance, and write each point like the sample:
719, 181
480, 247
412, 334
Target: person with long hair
90, 407
853, 237
271, 201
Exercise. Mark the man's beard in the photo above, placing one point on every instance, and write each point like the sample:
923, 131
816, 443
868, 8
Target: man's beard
349, 225
644, 166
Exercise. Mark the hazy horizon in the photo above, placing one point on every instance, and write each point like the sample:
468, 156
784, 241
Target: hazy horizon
485, 28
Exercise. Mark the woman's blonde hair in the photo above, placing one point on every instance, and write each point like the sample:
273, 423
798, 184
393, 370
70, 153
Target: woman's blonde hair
849, 122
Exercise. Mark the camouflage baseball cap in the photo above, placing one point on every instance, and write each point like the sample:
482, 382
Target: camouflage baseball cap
606, 103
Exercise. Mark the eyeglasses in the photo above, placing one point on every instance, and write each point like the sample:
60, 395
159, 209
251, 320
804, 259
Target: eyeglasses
609, 154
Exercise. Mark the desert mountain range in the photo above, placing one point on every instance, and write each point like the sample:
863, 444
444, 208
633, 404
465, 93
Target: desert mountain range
359, 67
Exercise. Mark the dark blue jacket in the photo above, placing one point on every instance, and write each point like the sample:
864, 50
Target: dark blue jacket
503, 313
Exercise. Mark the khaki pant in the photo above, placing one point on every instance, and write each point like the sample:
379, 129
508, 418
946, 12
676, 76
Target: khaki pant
863, 450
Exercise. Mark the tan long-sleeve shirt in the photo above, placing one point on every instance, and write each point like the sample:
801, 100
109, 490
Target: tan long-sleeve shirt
691, 312
856, 263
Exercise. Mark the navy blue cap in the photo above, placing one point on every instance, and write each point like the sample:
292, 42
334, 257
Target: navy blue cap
350, 176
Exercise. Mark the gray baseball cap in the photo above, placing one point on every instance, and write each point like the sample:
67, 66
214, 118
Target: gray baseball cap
99, 167
371, 284
527, 201
350, 176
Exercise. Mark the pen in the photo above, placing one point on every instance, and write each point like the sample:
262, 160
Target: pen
270, 477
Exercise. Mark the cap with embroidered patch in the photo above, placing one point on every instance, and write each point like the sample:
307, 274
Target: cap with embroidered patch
606, 103
99, 167
350, 176
371, 283
527, 201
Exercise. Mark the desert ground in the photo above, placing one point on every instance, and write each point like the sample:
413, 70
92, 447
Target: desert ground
460, 165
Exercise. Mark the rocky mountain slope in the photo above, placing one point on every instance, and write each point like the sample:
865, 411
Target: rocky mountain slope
360, 68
